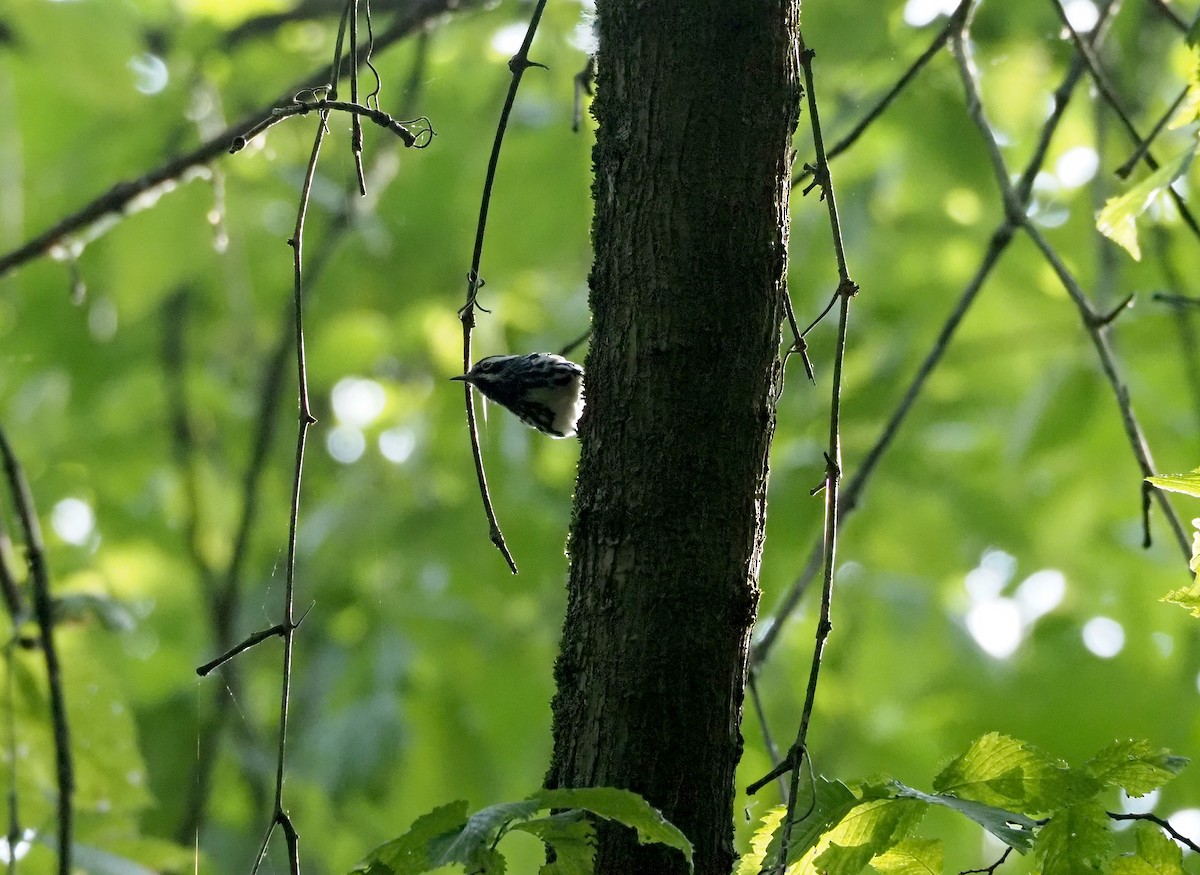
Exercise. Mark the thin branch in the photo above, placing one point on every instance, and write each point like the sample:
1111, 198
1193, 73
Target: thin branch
1139, 154
356, 133
1161, 823
1167, 12
847, 289
14, 831
43, 609
1097, 332
278, 630
1184, 320
576, 343
224, 601
1110, 97
936, 45
764, 726
323, 105
14, 600
517, 65
306, 419
123, 198
998, 243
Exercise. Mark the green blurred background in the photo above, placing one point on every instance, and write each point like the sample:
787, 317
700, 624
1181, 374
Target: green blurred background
992, 579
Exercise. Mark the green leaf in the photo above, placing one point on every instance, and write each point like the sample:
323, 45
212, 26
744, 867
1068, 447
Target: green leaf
409, 854
1156, 855
869, 830
752, 863
1076, 841
1134, 766
912, 857
471, 845
829, 802
1005, 772
1117, 220
570, 836
1188, 484
624, 807
1015, 830
1187, 597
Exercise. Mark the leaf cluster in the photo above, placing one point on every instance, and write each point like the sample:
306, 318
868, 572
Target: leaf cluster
448, 836
1030, 801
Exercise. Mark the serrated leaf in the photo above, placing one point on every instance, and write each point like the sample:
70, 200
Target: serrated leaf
1076, 841
471, 845
1007, 773
571, 838
409, 854
1015, 830
1188, 484
624, 807
912, 857
1118, 220
1134, 766
829, 802
752, 863
1156, 855
869, 828
1187, 597
867, 831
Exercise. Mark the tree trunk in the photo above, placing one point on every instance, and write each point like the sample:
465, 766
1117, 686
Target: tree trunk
697, 102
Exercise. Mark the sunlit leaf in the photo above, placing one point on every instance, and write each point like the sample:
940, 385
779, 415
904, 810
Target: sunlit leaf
752, 863
823, 809
1118, 218
1005, 772
1077, 840
1135, 766
1188, 484
1156, 855
911, 857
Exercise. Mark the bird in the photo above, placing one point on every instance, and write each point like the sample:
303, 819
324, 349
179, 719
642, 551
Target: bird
543, 390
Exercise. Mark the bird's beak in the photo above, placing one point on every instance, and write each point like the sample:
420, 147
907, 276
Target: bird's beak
462, 378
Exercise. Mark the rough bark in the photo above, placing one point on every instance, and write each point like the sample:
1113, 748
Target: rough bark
697, 102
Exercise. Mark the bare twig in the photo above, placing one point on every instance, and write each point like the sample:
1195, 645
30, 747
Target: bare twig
43, 610
306, 419
1161, 823
1096, 330
846, 290
1167, 12
323, 106
999, 242
1139, 154
1110, 97
936, 45
278, 630
517, 65
123, 197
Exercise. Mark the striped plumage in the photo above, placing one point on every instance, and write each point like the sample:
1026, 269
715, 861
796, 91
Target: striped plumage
542, 389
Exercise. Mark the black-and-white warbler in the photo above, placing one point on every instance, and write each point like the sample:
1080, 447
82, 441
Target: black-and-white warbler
544, 390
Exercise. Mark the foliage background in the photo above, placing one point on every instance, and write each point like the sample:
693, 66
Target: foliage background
423, 669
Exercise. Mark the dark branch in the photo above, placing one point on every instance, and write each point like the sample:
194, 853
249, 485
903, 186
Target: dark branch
43, 609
